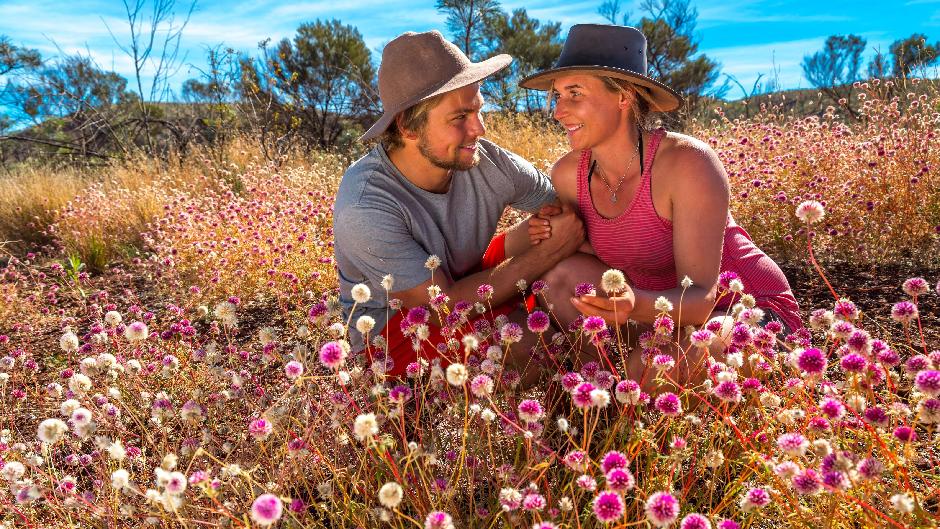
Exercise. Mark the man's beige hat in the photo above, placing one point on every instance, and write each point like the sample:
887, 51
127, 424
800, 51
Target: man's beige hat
419, 66
613, 51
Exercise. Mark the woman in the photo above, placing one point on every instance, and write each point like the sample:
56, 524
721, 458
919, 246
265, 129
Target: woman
655, 204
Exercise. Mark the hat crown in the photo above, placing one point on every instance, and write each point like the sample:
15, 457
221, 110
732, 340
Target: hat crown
620, 47
415, 64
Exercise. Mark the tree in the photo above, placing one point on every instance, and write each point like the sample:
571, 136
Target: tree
14, 58
214, 96
533, 45
467, 21
317, 84
153, 47
912, 55
672, 49
833, 69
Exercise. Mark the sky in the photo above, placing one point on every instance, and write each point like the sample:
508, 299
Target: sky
748, 38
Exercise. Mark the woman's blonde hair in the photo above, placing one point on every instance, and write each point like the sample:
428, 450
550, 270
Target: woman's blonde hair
643, 112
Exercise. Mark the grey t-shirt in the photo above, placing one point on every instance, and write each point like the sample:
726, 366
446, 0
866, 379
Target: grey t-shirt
384, 224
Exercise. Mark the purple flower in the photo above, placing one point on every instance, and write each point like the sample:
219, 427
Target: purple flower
905, 434
620, 480
608, 506
728, 391
585, 289
904, 312
570, 380
662, 509
832, 408
928, 382
399, 394
594, 324
755, 499
853, 363
581, 395
332, 355
695, 521
266, 509
888, 357
870, 468
793, 444
811, 361
539, 286
669, 404
438, 520
612, 460
537, 321
806, 482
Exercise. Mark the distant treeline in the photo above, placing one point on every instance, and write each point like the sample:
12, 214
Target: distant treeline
319, 88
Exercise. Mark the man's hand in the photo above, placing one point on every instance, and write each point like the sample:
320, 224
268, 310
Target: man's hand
566, 236
615, 310
540, 226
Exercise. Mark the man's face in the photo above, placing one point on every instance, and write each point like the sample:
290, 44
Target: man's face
449, 139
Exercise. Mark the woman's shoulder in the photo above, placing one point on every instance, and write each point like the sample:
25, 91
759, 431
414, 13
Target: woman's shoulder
565, 175
682, 155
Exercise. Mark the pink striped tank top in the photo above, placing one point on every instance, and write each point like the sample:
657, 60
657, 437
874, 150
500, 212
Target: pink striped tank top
638, 242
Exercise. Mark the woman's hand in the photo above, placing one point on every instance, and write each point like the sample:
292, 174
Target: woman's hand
615, 310
540, 227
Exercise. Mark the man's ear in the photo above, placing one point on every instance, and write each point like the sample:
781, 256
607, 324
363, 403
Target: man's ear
405, 133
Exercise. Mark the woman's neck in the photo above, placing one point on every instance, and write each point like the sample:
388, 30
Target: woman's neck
619, 150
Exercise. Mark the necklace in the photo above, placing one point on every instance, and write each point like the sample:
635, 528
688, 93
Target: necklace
613, 192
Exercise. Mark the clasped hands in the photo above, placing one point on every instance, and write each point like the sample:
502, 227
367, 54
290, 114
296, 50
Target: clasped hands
616, 309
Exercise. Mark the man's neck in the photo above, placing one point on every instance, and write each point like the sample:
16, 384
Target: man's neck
419, 170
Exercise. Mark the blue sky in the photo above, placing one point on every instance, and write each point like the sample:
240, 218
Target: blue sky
747, 37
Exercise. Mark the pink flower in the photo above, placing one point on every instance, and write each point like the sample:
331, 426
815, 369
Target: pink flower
293, 369
915, 286
266, 509
806, 482
576, 460
728, 391
581, 395
612, 460
669, 404
531, 410
260, 428
695, 521
662, 509
928, 382
811, 361
537, 322
904, 312
438, 520
620, 480
332, 355
608, 506
585, 289
534, 502
594, 324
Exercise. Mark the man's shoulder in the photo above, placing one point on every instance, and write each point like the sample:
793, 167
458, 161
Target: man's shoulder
366, 183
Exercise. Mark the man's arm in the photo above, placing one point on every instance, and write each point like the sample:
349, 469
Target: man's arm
530, 264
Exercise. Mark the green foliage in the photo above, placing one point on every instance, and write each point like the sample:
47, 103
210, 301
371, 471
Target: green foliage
533, 45
913, 55
467, 21
14, 58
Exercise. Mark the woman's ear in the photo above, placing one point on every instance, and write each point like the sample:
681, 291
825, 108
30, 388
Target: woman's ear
626, 100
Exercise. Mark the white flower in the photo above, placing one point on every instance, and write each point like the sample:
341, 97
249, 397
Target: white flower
613, 281
136, 332
12, 471
736, 286
810, 211
69, 342
902, 503
662, 304
120, 479
267, 335
686, 282
365, 426
388, 282
432, 263
225, 312
112, 318
391, 494
361, 293
176, 483
365, 324
522, 285
563, 424
51, 430
81, 417
456, 374
488, 415
116, 451
600, 398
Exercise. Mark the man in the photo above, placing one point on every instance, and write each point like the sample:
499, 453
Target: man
434, 187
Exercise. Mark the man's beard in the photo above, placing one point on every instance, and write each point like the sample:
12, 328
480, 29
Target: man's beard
449, 165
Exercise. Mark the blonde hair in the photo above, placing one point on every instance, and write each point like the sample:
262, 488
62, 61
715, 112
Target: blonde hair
413, 118
643, 112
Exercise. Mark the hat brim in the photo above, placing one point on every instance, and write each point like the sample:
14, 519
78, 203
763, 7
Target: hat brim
474, 74
660, 96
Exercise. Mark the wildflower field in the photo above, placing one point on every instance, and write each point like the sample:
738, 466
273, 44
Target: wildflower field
172, 355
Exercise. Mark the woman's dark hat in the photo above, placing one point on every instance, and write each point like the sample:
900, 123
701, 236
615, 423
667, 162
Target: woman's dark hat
611, 51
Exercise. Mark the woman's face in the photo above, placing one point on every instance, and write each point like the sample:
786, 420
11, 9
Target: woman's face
588, 110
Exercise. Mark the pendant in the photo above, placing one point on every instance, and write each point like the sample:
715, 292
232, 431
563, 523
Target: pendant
613, 198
